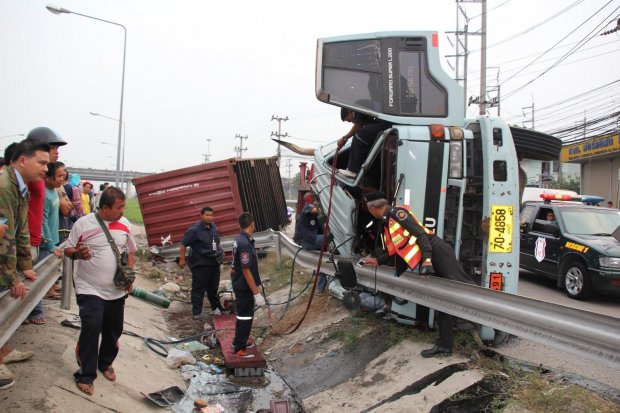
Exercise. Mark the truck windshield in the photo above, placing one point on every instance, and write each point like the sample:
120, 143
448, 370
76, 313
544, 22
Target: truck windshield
585, 221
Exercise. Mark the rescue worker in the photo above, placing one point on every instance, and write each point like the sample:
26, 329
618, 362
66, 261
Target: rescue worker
204, 262
307, 232
246, 282
413, 244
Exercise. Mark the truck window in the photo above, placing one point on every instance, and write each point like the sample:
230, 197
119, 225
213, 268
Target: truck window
389, 76
527, 215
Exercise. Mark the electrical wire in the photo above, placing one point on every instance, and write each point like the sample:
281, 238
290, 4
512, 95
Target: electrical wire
583, 41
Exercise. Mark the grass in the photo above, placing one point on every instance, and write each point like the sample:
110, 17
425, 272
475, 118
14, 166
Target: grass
132, 211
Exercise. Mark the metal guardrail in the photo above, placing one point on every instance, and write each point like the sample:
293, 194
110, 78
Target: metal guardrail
589, 335
14, 311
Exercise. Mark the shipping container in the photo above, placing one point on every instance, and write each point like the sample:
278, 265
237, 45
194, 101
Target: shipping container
171, 201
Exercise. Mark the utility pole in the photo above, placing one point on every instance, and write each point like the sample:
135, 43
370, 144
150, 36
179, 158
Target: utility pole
288, 169
279, 134
208, 154
532, 121
483, 60
239, 149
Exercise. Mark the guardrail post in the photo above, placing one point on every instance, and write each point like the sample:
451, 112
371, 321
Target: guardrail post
67, 283
278, 248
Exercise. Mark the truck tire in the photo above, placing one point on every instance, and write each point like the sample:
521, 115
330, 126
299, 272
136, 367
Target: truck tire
576, 281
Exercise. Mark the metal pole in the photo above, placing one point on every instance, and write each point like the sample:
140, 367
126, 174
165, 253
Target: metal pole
57, 10
67, 283
278, 248
483, 60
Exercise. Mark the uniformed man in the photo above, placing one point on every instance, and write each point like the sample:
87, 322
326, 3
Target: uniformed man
413, 244
246, 282
207, 256
307, 232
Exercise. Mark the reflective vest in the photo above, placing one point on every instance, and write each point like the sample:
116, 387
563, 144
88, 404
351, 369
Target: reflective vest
400, 241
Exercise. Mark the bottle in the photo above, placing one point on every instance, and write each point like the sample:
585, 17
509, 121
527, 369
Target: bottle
214, 245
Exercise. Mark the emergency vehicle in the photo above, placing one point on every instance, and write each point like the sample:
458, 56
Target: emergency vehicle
579, 248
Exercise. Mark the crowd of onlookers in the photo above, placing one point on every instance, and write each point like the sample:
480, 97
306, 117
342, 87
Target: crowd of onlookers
39, 203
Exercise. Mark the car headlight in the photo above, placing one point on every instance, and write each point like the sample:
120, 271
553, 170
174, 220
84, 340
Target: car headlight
609, 262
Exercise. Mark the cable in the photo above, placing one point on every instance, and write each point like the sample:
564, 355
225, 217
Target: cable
566, 55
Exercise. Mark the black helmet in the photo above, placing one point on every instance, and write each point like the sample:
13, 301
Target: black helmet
46, 135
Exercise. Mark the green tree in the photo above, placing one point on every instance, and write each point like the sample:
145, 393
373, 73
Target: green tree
570, 182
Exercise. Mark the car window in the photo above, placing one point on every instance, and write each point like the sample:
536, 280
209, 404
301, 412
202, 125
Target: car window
590, 221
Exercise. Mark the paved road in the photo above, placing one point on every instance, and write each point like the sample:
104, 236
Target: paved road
544, 289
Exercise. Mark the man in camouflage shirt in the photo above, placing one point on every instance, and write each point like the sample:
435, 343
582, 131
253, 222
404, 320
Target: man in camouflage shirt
28, 164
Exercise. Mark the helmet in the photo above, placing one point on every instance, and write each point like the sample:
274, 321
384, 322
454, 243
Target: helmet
308, 198
46, 135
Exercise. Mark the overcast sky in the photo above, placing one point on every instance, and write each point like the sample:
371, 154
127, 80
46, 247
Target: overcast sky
198, 70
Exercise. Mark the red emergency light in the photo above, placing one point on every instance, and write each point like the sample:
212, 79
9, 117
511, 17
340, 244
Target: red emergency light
556, 197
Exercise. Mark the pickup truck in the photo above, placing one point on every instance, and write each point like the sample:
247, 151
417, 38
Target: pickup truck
572, 243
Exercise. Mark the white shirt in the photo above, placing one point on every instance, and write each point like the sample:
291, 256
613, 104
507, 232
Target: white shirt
96, 276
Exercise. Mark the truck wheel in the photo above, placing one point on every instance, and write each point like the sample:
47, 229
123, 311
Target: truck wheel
576, 281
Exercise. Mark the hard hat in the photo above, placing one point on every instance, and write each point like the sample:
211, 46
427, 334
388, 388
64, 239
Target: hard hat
46, 135
308, 198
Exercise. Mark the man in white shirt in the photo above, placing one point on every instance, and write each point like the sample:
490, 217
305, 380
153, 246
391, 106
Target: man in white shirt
101, 303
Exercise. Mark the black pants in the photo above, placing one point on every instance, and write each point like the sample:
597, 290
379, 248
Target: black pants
447, 266
205, 279
245, 318
103, 318
362, 143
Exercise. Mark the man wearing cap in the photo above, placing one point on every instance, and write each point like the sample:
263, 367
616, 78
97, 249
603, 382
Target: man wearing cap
35, 207
307, 232
364, 132
434, 255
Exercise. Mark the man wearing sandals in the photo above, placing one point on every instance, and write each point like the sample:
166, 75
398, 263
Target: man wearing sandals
102, 304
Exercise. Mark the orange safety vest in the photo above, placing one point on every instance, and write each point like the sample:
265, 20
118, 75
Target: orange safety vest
400, 241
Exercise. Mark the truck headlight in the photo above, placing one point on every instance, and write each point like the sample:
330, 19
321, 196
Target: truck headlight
609, 262
456, 160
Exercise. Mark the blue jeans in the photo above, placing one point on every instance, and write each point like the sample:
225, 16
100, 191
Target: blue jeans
37, 311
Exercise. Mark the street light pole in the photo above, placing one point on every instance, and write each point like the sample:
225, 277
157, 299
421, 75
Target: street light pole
124, 141
60, 10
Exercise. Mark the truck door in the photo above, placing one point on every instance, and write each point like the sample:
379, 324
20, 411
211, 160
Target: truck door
544, 246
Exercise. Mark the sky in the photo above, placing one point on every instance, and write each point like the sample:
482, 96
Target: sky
199, 70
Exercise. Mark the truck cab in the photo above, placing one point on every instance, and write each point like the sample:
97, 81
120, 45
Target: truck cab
458, 176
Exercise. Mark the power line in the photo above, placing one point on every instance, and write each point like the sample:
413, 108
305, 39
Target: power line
570, 52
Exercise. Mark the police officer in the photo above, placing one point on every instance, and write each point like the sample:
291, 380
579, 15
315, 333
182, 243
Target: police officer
307, 232
246, 282
409, 240
207, 255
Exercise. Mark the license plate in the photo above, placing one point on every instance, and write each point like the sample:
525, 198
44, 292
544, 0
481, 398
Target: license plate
500, 236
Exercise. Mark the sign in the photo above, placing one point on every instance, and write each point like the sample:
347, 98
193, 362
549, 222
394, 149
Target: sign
500, 234
539, 250
495, 282
592, 148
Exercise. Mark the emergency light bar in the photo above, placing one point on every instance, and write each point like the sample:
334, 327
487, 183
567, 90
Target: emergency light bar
589, 199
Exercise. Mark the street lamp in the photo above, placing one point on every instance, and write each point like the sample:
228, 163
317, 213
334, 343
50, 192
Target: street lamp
60, 10
124, 141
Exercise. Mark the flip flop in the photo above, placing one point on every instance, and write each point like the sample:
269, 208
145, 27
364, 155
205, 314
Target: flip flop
37, 321
109, 374
86, 388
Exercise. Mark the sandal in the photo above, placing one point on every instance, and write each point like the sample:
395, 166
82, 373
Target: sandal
37, 321
53, 297
86, 388
109, 373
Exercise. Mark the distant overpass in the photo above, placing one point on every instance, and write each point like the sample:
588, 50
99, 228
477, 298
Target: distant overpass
105, 175
108, 175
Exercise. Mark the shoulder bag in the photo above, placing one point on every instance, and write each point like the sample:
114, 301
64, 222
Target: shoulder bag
124, 276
